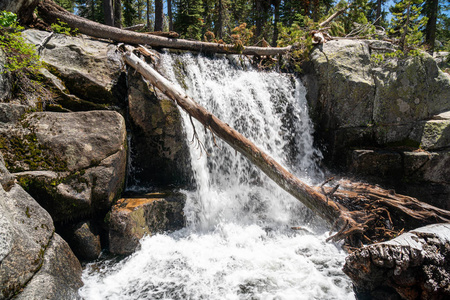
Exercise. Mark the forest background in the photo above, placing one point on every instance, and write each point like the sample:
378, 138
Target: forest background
412, 23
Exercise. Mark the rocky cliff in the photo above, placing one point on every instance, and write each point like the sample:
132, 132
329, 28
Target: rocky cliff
382, 118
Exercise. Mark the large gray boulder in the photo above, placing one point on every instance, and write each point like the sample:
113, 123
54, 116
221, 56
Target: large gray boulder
356, 101
73, 163
388, 120
89, 71
32, 256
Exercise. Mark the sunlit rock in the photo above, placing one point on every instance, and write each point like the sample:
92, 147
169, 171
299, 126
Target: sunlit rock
133, 218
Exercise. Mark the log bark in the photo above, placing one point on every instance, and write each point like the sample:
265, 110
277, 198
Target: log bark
333, 16
50, 12
362, 212
415, 265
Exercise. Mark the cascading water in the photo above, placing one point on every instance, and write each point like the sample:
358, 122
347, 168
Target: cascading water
238, 242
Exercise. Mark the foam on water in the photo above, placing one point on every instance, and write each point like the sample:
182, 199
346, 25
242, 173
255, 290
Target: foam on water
238, 243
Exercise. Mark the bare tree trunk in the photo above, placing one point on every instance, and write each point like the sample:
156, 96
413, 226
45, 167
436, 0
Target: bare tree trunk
378, 13
276, 4
169, 14
118, 13
370, 221
220, 21
430, 30
405, 27
159, 15
50, 12
108, 12
148, 15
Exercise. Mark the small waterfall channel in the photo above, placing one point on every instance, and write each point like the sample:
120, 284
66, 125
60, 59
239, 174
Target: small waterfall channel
238, 242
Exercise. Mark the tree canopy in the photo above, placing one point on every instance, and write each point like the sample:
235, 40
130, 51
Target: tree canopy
415, 23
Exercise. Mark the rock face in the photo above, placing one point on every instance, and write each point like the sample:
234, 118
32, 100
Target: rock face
157, 133
388, 110
133, 218
72, 163
414, 265
32, 256
85, 73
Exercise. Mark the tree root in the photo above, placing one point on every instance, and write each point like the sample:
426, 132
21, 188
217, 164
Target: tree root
375, 215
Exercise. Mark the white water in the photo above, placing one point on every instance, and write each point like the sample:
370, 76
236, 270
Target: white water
238, 243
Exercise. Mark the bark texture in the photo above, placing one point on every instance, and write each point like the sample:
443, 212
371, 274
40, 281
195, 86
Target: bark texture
50, 12
415, 265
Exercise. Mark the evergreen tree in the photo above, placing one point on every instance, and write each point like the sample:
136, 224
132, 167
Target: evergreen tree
90, 9
188, 18
129, 12
66, 4
407, 23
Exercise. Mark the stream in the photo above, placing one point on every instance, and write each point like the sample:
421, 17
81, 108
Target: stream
238, 242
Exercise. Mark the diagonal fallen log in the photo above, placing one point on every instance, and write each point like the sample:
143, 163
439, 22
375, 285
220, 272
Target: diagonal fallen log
356, 212
52, 12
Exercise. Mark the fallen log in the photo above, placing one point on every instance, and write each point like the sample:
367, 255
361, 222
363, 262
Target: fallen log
339, 207
414, 265
51, 12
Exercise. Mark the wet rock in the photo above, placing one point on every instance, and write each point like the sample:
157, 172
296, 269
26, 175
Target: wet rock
157, 133
89, 68
377, 162
132, 218
412, 266
30, 251
86, 242
72, 163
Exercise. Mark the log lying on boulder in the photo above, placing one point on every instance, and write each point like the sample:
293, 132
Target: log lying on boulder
51, 12
415, 265
357, 213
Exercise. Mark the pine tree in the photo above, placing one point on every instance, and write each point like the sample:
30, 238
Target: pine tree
188, 18
66, 4
90, 9
407, 23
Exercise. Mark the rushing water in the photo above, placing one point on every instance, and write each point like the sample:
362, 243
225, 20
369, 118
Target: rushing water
238, 243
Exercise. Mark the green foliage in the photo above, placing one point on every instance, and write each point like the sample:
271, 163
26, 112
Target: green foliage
407, 23
241, 36
302, 41
63, 28
7, 18
188, 18
66, 4
20, 56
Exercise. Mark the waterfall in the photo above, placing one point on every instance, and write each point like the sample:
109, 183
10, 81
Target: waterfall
238, 242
